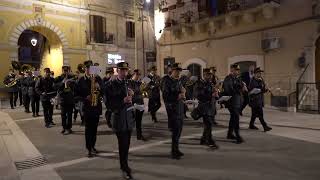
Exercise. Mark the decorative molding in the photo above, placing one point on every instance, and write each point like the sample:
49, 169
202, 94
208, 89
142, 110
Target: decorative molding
16, 32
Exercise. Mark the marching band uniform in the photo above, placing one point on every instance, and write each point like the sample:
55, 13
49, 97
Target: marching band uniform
137, 98
45, 87
233, 86
172, 96
65, 90
91, 113
204, 92
106, 79
153, 87
118, 96
256, 101
25, 90
33, 95
13, 91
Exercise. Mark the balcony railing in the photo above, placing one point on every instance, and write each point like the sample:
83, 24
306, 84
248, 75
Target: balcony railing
195, 10
104, 38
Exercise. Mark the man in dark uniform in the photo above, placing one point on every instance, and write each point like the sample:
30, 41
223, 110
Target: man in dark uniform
91, 111
45, 87
153, 87
205, 93
119, 96
64, 84
13, 90
135, 85
165, 77
246, 77
233, 86
25, 90
34, 96
216, 84
20, 88
109, 75
256, 100
174, 96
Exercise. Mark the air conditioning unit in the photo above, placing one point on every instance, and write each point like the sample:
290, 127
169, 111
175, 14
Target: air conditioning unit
270, 44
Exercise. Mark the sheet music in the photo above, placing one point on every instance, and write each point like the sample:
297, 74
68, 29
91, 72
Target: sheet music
255, 91
224, 98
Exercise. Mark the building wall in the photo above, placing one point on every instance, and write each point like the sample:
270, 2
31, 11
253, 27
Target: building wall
221, 44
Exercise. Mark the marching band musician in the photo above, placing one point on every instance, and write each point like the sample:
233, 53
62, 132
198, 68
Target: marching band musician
45, 87
86, 88
137, 98
233, 86
173, 96
120, 98
216, 84
153, 87
206, 93
64, 84
109, 75
25, 86
256, 100
166, 77
33, 95
13, 90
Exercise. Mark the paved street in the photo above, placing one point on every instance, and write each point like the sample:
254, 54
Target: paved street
290, 151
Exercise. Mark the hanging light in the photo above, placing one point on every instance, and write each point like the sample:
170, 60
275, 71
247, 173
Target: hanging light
34, 41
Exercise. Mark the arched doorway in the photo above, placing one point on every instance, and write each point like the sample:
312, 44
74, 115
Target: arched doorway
195, 70
31, 48
50, 43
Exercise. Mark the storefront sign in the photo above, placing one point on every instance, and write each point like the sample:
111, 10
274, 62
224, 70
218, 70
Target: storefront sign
114, 59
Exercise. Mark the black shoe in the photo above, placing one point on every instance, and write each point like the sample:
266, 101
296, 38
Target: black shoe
70, 131
12, 107
231, 136
95, 151
212, 144
141, 138
27, 111
267, 128
126, 174
47, 126
253, 127
214, 123
52, 123
37, 114
33, 115
203, 141
63, 131
175, 156
240, 113
179, 153
90, 154
239, 140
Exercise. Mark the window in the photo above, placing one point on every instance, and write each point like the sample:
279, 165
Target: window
130, 27
195, 70
97, 29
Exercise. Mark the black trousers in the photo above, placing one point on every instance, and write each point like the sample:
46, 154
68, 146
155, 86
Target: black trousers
13, 99
47, 111
107, 115
175, 126
124, 139
20, 97
245, 102
257, 112
207, 128
91, 119
35, 103
234, 126
26, 101
138, 118
66, 115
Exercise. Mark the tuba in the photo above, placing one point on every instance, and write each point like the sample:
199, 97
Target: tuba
15, 66
144, 86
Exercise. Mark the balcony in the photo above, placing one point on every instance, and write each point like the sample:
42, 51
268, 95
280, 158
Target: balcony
182, 18
101, 41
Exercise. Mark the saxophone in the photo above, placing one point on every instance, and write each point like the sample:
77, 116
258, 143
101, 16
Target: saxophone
94, 92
